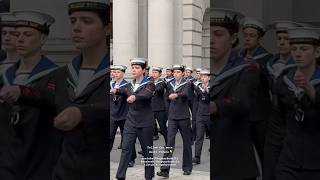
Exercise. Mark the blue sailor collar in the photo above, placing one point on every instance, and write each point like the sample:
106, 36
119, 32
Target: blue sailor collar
182, 83
144, 81
233, 61
259, 52
315, 76
75, 65
158, 81
44, 67
202, 89
234, 65
277, 72
122, 83
197, 82
189, 78
169, 79
276, 58
289, 81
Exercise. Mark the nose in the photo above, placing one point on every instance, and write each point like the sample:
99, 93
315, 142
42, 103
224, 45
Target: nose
297, 53
76, 27
20, 39
282, 42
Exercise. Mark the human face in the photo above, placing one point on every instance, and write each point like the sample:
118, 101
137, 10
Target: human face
220, 42
9, 37
113, 74
87, 30
187, 73
283, 43
304, 55
137, 71
251, 38
156, 74
168, 73
29, 41
119, 75
177, 74
198, 76
205, 78
146, 73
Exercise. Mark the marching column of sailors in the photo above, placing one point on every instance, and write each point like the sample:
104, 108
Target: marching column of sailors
155, 100
250, 100
53, 119
263, 102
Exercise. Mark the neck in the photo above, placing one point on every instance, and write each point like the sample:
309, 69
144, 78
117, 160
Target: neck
218, 64
250, 52
119, 81
139, 79
92, 56
28, 63
308, 71
284, 58
12, 56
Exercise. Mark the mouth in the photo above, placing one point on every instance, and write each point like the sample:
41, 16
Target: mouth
77, 39
213, 49
299, 61
20, 47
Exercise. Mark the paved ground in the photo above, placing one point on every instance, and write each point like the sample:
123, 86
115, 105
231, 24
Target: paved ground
200, 172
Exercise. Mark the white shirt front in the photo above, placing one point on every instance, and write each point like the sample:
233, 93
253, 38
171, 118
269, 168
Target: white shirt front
85, 76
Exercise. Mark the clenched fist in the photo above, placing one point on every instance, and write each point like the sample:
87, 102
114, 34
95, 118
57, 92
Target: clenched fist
68, 119
9, 94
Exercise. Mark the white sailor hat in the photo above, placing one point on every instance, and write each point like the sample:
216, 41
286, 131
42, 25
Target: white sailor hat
112, 67
198, 70
34, 19
284, 25
205, 72
155, 68
169, 68
250, 22
178, 67
8, 19
227, 18
85, 5
120, 67
139, 61
189, 69
304, 35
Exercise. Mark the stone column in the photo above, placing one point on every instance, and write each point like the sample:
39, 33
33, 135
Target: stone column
125, 31
161, 32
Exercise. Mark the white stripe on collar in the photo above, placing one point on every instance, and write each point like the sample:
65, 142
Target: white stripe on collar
142, 84
181, 84
298, 92
73, 73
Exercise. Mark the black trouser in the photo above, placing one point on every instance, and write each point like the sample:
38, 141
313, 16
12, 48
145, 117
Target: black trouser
161, 117
271, 157
194, 126
184, 126
207, 129
226, 178
155, 132
284, 172
113, 131
258, 132
129, 138
202, 122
